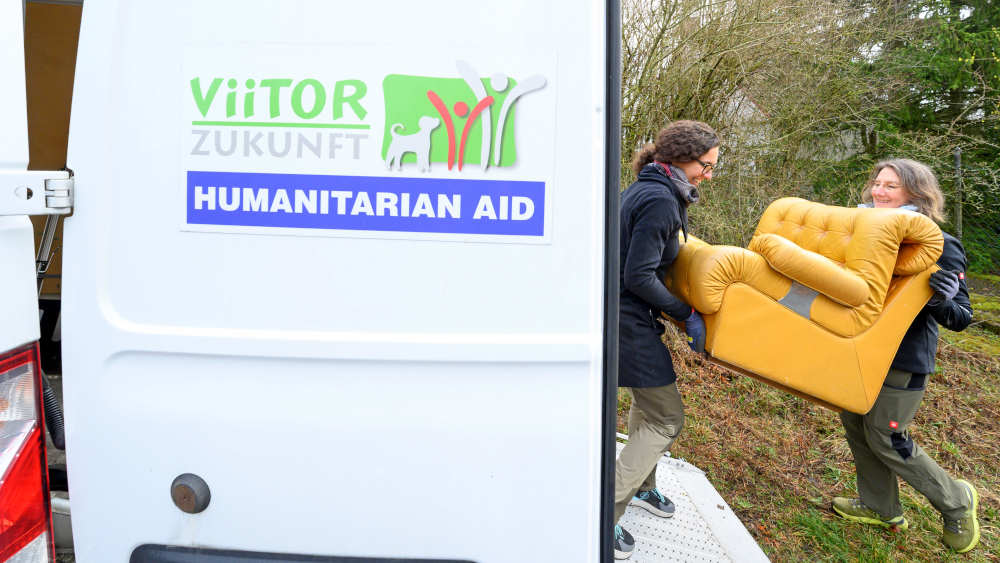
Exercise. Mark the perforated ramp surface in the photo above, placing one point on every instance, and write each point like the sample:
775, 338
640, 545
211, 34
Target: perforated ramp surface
703, 529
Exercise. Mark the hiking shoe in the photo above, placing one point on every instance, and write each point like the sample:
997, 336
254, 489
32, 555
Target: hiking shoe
654, 502
963, 534
624, 544
854, 510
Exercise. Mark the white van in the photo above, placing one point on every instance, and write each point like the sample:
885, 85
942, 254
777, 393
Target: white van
339, 281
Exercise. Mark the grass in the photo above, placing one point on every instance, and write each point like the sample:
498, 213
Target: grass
984, 283
986, 307
778, 460
984, 335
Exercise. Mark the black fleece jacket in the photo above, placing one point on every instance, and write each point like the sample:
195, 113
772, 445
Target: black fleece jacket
916, 351
653, 211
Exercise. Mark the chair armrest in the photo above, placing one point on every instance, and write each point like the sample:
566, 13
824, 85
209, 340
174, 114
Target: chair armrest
812, 270
701, 273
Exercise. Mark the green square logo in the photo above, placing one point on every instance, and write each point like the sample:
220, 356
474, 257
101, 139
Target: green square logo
458, 121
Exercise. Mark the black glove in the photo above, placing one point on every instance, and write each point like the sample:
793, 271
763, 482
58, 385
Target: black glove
945, 286
694, 326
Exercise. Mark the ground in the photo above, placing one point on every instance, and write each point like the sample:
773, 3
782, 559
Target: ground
778, 460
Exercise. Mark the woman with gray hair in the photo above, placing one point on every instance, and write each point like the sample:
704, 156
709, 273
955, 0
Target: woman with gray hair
880, 440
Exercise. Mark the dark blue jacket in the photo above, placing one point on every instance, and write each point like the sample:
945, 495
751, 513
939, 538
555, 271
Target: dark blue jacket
916, 351
653, 212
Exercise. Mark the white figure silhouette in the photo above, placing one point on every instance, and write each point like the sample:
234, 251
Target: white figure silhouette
529, 84
471, 78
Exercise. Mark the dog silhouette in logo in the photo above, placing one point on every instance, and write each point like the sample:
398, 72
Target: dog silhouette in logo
418, 143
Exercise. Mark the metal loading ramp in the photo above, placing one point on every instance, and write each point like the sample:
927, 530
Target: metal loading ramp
704, 528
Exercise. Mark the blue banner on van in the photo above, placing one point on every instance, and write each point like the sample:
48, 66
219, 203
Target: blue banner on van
366, 203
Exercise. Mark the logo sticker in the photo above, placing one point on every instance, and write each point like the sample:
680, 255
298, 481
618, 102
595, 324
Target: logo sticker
300, 149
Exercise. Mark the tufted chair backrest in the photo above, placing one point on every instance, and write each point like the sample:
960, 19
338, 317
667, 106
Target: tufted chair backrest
815, 227
873, 244
909, 240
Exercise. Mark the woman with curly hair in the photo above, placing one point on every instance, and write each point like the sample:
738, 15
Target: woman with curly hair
653, 215
880, 440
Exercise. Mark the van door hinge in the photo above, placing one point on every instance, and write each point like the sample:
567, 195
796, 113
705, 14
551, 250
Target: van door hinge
36, 192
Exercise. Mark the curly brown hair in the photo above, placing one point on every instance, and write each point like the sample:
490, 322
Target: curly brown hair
681, 141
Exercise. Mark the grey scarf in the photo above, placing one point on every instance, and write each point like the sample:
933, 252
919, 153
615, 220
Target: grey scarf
686, 189
908, 206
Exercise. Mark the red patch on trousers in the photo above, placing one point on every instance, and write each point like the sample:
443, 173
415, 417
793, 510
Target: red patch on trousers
893, 424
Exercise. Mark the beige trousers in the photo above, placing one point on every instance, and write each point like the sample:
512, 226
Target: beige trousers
655, 420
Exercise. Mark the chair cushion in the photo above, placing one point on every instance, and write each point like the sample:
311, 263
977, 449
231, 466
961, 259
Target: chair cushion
811, 269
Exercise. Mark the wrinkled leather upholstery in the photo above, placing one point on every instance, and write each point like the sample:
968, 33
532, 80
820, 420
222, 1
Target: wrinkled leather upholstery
819, 302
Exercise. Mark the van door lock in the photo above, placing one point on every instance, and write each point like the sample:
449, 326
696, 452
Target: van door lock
190, 493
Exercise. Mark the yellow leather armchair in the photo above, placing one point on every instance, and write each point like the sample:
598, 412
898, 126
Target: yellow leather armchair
819, 302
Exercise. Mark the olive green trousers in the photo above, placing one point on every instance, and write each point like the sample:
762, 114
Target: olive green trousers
883, 450
655, 420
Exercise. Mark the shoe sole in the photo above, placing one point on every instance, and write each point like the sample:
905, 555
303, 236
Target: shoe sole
975, 517
650, 508
622, 554
901, 526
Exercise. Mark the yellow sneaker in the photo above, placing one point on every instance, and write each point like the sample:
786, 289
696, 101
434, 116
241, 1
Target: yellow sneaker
854, 510
963, 534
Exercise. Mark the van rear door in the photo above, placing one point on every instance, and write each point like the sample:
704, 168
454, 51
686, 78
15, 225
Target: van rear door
335, 280
25, 522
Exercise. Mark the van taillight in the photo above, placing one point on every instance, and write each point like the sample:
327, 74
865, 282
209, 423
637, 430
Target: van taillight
25, 519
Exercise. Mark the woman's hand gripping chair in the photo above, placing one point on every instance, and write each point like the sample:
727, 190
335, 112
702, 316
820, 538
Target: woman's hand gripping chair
819, 302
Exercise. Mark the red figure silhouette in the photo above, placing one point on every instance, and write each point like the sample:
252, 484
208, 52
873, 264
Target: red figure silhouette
450, 126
